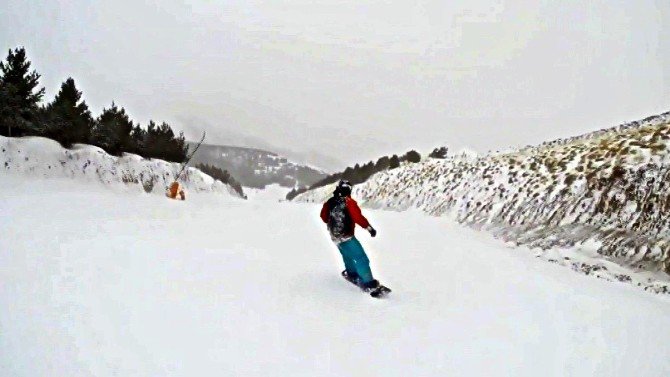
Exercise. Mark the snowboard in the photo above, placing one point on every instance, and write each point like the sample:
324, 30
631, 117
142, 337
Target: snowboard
377, 292
380, 291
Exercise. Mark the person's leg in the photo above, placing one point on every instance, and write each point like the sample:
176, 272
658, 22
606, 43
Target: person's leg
353, 251
349, 265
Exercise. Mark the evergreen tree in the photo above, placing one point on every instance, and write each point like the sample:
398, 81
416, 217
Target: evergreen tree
382, 164
223, 176
361, 173
348, 173
151, 141
138, 138
68, 118
368, 170
295, 192
19, 95
412, 156
113, 130
180, 147
439, 153
394, 162
161, 142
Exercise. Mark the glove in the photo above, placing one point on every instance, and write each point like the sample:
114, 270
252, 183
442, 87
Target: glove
372, 231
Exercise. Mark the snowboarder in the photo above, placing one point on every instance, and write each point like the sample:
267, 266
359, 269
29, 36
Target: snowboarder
175, 191
341, 213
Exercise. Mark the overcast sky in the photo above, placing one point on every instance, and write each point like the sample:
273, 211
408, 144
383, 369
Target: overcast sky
337, 82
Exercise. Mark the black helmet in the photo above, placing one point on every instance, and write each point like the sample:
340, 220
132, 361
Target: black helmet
343, 188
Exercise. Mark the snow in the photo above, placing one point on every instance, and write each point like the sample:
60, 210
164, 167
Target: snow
273, 192
103, 282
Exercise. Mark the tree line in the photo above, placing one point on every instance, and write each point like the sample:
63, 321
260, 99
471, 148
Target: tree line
68, 120
360, 173
223, 176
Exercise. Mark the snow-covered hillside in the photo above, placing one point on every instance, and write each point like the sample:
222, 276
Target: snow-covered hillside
606, 191
41, 157
96, 282
257, 168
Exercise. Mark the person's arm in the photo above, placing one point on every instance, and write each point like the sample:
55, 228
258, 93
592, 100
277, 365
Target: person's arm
357, 216
324, 212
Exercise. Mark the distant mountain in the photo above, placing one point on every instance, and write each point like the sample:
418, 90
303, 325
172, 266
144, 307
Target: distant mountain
256, 167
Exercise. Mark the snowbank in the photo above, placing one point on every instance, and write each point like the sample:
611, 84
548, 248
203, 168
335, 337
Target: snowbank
45, 158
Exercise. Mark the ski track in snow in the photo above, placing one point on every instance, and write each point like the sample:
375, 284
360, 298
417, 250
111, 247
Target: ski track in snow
102, 282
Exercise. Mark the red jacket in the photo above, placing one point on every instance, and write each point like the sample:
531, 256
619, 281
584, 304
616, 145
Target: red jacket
354, 211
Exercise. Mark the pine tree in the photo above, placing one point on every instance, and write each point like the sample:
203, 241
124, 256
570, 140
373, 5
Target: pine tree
113, 130
161, 142
368, 170
223, 176
151, 140
412, 156
382, 164
138, 139
68, 117
358, 174
348, 174
19, 95
180, 148
440, 152
394, 162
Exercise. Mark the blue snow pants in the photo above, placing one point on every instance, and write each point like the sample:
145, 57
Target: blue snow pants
355, 259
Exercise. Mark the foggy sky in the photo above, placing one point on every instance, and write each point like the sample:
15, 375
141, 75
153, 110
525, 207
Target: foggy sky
338, 82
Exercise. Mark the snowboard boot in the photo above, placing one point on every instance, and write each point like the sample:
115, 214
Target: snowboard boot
371, 285
375, 289
351, 276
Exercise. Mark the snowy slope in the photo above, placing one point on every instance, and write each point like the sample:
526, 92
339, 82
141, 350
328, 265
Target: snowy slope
96, 282
256, 167
606, 191
272, 192
41, 157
